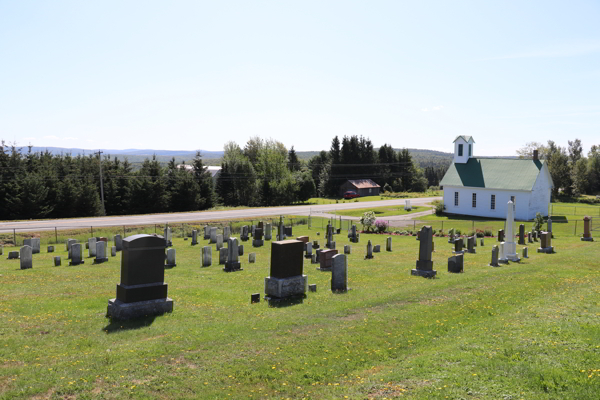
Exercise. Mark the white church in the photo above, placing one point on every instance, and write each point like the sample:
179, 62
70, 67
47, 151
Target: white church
482, 186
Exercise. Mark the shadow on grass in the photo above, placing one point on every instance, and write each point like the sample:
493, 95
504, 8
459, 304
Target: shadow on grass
116, 325
280, 303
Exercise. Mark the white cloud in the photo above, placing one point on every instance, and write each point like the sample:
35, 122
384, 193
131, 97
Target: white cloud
437, 108
424, 109
70, 138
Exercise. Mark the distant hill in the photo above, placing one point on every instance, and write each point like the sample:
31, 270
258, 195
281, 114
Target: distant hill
423, 157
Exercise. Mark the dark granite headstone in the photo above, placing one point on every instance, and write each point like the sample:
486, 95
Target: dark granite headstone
142, 290
455, 263
424, 263
286, 258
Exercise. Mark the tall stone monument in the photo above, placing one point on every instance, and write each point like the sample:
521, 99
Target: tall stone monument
510, 247
232, 263
142, 290
587, 229
424, 263
286, 277
353, 236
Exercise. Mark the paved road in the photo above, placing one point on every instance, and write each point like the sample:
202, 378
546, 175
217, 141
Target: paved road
173, 218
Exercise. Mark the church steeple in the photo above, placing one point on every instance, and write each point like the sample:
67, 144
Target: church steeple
463, 149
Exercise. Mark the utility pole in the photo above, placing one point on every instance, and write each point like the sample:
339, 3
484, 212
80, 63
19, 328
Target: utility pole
101, 183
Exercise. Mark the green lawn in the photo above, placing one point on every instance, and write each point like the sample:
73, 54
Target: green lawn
521, 331
383, 196
382, 211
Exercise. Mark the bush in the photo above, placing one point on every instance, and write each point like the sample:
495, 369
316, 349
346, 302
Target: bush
538, 222
387, 188
439, 208
457, 232
367, 221
381, 226
488, 232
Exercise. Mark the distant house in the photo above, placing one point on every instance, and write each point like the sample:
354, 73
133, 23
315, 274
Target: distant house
214, 170
364, 187
482, 186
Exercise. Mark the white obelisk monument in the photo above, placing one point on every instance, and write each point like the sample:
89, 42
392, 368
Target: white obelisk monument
510, 247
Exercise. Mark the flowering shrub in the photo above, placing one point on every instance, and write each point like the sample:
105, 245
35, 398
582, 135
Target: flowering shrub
381, 225
367, 220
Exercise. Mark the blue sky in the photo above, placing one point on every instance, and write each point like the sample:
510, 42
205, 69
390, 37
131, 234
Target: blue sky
193, 75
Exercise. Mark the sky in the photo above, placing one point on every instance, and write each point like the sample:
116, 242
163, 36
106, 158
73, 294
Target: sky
187, 75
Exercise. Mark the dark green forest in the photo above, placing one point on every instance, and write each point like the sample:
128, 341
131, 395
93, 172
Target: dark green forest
39, 184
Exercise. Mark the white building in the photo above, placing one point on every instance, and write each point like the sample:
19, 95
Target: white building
482, 186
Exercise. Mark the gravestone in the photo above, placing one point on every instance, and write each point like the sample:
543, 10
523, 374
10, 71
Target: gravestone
456, 263
525, 252
219, 242
252, 258
268, 232
471, 244
314, 259
255, 298
258, 238
194, 237
252, 229
328, 244
57, 261
240, 250
501, 235
376, 248
70, 242
232, 263
280, 230
510, 247
502, 254
206, 232
481, 242
213, 235
286, 277
521, 234
226, 233
535, 236
339, 273
549, 223
50, 250
206, 256
587, 229
407, 206
100, 252
304, 239
92, 247
171, 258
347, 249
308, 250
244, 234
529, 237
388, 244
315, 244
113, 251
118, 242
13, 255
353, 235
312, 287
168, 237
369, 250
26, 255
495, 256
424, 263
223, 252
546, 243
325, 259
34, 243
142, 290
76, 254
287, 231
458, 246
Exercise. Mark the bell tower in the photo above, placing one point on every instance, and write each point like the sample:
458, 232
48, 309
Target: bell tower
463, 149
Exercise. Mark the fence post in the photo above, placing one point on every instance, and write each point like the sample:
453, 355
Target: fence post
15, 236
414, 225
154, 228
56, 234
124, 231
575, 211
575, 233
92, 230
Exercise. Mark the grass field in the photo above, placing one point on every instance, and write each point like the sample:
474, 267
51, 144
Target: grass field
523, 331
381, 211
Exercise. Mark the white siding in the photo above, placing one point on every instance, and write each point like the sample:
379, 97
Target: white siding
483, 208
540, 196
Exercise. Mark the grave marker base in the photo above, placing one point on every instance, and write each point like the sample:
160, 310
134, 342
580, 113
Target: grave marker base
425, 274
233, 266
124, 311
285, 287
100, 260
547, 250
589, 239
71, 263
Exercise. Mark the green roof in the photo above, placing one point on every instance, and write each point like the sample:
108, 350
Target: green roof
494, 173
465, 137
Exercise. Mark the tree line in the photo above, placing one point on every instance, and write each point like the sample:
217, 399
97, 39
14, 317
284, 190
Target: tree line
572, 173
262, 173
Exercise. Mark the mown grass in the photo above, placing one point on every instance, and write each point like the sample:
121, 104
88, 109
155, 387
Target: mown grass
382, 211
528, 330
